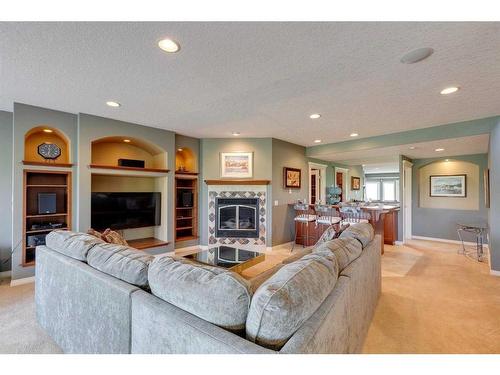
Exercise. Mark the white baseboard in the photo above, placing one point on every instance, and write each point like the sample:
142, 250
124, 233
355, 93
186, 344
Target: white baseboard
494, 273
5, 274
445, 240
398, 243
26, 280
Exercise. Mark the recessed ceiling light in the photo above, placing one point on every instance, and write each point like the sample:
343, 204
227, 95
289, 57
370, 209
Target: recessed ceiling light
179, 149
447, 159
354, 134
236, 134
317, 141
449, 90
416, 55
412, 147
48, 130
439, 149
113, 104
168, 45
315, 116
126, 140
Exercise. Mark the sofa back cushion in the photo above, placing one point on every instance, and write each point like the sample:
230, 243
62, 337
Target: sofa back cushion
122, 262
74, 245
363, 232
346, 250
214, 294
288, 298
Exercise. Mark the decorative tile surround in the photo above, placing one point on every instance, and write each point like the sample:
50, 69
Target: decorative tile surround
236, 191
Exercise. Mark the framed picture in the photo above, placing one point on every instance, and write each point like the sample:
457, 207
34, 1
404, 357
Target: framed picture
355, 183
236, 164
448, 186
291, 178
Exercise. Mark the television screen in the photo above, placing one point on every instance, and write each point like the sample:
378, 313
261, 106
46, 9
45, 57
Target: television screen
125, 210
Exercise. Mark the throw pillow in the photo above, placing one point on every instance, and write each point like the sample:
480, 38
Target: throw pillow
110, 236
95, 233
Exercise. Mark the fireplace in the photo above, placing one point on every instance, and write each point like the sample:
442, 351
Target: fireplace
237, 217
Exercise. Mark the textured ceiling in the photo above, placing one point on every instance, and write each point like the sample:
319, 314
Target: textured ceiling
477, 144
260, 79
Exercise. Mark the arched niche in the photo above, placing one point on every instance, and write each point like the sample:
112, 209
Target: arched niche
107, 151
185, 160
46, 134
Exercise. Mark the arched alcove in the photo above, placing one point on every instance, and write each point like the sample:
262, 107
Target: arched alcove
185, 160
107, 152
40, 135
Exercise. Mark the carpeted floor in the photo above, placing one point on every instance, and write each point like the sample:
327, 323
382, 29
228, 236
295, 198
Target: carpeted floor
433, 301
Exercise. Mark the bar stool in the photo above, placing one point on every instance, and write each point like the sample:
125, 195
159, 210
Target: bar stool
303, 217
351, 215
326, 216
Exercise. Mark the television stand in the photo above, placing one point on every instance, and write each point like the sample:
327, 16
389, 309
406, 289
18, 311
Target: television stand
146, 243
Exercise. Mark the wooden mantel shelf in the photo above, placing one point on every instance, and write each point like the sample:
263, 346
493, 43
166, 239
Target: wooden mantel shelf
237, 182
47, 164
158, 170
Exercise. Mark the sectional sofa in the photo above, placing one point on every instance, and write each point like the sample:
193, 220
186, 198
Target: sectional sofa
93, 297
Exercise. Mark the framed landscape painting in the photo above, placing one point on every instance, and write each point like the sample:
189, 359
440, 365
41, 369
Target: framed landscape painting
448, 186
291, 178
236, 164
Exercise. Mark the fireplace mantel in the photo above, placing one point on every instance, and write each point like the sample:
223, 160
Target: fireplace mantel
238, 182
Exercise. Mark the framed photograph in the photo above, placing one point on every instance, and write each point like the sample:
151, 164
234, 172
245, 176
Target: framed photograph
291, 178
355, 183
448, 186
236, 164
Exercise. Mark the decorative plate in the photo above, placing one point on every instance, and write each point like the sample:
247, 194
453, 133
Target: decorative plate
49, 151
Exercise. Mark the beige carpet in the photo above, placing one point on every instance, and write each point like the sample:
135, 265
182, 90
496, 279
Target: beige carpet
433, 301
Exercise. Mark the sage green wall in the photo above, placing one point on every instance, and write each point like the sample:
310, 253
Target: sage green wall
210, 169
92, 127
6, 127
27, 117
441, 222
285, 154
494, 211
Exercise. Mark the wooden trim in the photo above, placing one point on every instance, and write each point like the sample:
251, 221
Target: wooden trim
159, 170
186, 173
146, 243
237, 182
48, 164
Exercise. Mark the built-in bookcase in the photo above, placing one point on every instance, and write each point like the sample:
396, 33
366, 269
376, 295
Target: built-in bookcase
186, 207
37, 225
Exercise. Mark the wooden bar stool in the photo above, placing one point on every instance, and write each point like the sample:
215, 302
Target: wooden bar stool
303, 217
326, 216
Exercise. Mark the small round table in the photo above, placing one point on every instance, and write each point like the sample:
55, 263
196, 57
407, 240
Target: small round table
479, 229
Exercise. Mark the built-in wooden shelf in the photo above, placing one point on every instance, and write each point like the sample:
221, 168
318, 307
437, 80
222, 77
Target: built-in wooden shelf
184, 218
183, 228
47, 186
237, 182
115, 167
184, 187
186, 238
184, 208
146, 243
47, 164
44, 230
187, 173
186, 226
45, 215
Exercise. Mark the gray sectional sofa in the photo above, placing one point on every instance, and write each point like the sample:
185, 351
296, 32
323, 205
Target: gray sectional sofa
93, 297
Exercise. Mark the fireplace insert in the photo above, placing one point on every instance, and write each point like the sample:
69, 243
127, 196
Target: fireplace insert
237, 217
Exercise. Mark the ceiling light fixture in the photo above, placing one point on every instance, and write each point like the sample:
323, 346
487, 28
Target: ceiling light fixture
412, 147
416, 55
111, 103
315, 116
179, 149
126, 140
354, 134
317, 141
235, 134
48, 130
168, 45
449, 90
439, 149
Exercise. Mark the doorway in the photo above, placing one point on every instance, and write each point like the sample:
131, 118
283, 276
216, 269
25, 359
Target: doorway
317, 181
341, 182
407, 200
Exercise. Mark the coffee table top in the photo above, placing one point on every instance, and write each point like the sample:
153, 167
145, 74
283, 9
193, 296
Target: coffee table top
235, 259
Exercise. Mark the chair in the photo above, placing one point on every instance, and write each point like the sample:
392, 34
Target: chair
303, 218
352, 215
326, 216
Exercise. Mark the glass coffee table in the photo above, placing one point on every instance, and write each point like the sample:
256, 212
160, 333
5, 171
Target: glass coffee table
235, 259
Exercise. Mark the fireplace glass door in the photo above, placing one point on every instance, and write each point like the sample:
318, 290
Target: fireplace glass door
237, 217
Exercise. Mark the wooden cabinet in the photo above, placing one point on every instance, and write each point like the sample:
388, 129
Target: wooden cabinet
391, 227
186, 207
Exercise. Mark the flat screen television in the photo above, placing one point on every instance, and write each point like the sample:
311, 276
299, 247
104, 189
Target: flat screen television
125, 210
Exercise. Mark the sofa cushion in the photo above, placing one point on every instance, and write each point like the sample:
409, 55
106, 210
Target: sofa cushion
346, 250
363, 232
74, 245
288, 298
214, 294
122, 262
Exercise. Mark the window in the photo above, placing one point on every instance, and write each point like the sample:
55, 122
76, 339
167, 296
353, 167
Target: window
382, 189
